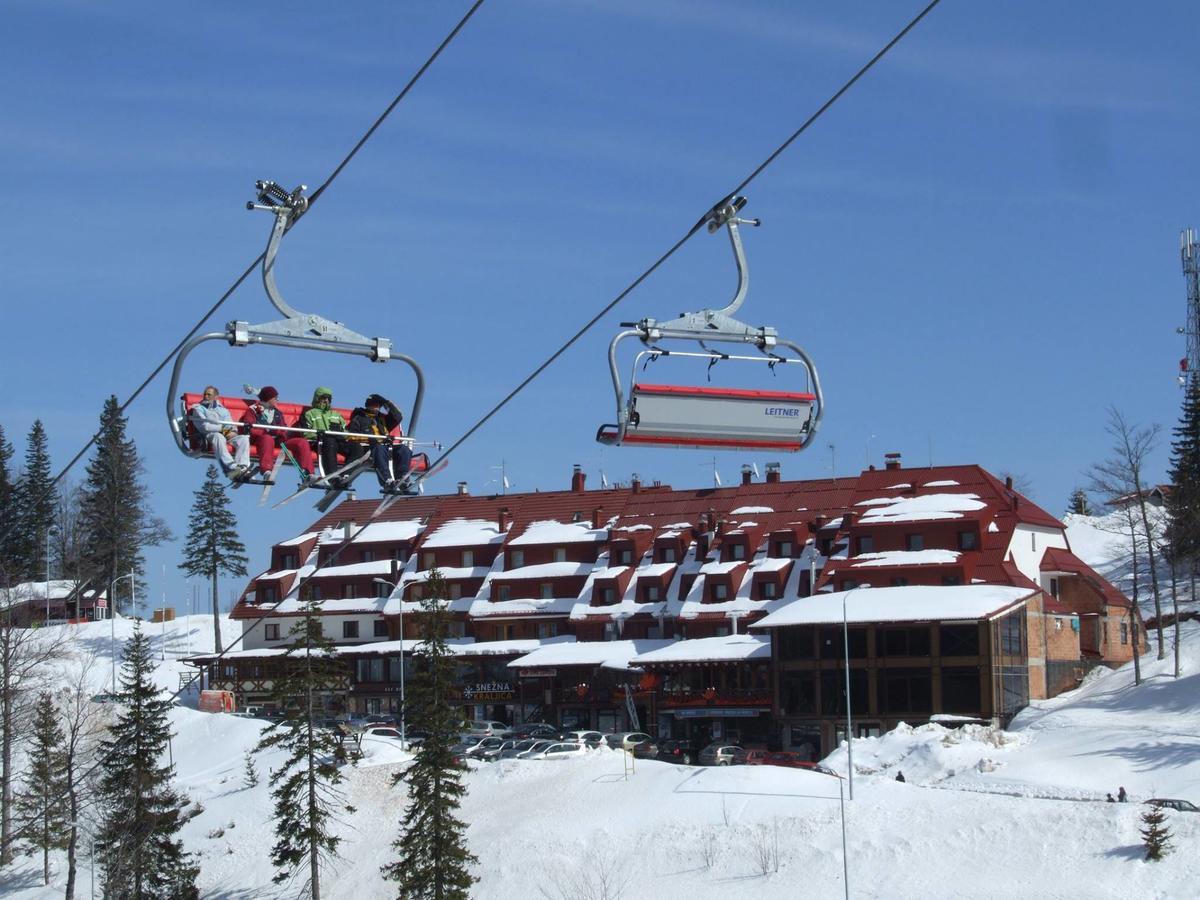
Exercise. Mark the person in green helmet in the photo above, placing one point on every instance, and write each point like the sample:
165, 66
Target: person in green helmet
326, 423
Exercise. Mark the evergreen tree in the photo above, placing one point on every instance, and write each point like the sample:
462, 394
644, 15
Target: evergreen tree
1156, 836
44, 819
114, 510
37, 502
10, 522
249, 773
212, 543
433, 861
141, 811
306, 787
1079, 504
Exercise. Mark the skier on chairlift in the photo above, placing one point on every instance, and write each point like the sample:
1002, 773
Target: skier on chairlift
267, 442
216, 425
371, 419
328, 430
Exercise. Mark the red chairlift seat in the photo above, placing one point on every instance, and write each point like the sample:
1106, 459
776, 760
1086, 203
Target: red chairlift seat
709, 418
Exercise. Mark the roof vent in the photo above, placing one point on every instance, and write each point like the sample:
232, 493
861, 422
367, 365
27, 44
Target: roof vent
893, 460
747, 473
773, 472
578, 478
462, 489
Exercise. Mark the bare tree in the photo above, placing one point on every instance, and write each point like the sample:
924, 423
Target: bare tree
1121, 478
1021, 482
66, 536
83, 724
25, 654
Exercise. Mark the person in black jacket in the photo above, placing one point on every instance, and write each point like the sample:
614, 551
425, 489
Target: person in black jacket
376, 418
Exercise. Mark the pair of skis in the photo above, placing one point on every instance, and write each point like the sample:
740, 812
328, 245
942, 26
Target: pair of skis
410, 487
346, 473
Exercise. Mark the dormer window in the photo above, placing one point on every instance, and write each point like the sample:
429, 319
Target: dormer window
653, 593
516, 559
503, 593
666, 554
268, 593
288, 560
625, 557
608, 595
783, 549
429, 560
768, 590
382, 590
367, 556
560, 554
737, 551
967, 540
547, 591
468, 558
720, 591
914, 542
866, 544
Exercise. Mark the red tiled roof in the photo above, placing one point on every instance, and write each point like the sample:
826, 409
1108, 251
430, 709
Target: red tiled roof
1058, 559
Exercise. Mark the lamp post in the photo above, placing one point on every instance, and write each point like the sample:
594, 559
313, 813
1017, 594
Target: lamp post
48, 530
403, 732
112, 618
849, 716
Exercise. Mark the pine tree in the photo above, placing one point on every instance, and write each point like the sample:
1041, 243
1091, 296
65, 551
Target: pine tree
10, 522
44, 819
433, 861
212, 543
114, 514
306, 787
249, 773
141, 811
1079, 504
1156, 836
37, 502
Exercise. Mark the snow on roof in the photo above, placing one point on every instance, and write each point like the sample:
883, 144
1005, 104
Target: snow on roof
338, 605
745, 510
679, 525
461, 646
465, 533
377, 567
993, 528
720, 568
770, 564
905, 558
610, 654
544, 570
654, 570
642, 526
550, 531
448, 573
902, 486
376, 532
925, 508
608, 572
714, 649
482, 608
948, 483
59, 589
296, 541
912, 603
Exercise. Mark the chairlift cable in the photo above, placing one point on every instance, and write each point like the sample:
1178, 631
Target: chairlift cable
258, 260
692, 231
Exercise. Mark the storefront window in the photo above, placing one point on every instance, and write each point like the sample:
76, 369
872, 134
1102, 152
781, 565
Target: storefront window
959, 640
960, 690
833, 691
906, 690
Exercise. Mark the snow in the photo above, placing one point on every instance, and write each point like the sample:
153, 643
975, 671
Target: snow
610, 654
926, 508
912, 603
483, 608
949, 483
59, 589
905, 558
993, 528
749, 510
550, 531
544, 570
721, 568
379, 532
298, 540
376, 567
464, 533
639, 527
732, 647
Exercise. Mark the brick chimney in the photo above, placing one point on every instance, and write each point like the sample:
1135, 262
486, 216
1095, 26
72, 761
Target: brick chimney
462, 489
773, 473
1008, 482
636, 484
893, 460
597, 516
720, 527
504, 519
819, 523
747, 474
578, 478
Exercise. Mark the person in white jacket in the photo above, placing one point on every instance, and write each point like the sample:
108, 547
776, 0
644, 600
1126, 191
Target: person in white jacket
212, 420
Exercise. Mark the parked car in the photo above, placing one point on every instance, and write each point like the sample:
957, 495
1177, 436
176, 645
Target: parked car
756, 757
105, 697
645, 750
722, 754
560, 750
679, 750
788, 759
382, 731
625, 740
468, 743
487, 729
585, 738
528, 730
488, 749
538, 747
519, 747
1180, 805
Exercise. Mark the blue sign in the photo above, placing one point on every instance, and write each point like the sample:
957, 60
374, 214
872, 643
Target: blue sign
715, 713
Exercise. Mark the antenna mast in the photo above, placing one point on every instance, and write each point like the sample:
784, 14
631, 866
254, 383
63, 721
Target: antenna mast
1189, 252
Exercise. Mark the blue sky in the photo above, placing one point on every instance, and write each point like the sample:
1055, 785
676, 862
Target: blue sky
978, 245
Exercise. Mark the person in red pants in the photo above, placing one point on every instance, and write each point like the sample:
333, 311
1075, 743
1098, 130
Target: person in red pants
266, 442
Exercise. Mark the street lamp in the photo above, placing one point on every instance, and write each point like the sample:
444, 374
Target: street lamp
403, 733
112, 618
849, 716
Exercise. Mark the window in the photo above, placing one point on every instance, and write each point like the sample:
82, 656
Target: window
653, 593
833, 691
1033, 541
381, 629
959, 640
271, 632
400, 554
783, 549
824, 546
951, 580
610, 631
914, 542
547, 629
767, 590
794, 643
503, 593
737, 551
1054, 587
382, 590
455, 591
625, 557
849, 585
1058, 625
906, 641
370, 670
416, 592
367, 556
429, 560
395, 664
547, 591
961, 690
288, 560
1014, 689
349, 629
720, 591
560, 554
314, 592
468, 558
1011, 643
516, 559
905, 690
457, 628
268, 593
347, 592
608, 595
968, 540
666, 554
722, 631
798, 693
866, 544
1124, 632
899, 582
833, 643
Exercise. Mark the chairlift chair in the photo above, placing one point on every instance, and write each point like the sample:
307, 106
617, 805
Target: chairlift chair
713, 418
303, 331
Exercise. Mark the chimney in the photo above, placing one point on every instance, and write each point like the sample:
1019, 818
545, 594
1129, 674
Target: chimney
462, 489
636, 485
773, 473
720, 527
347, 530
1008, 482
818, 523
503, 520
578, 478
702, 524
747, 474
893, 460
848, 521
597, 516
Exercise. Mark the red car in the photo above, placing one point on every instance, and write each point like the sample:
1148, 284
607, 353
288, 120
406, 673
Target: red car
789, 759
756, 757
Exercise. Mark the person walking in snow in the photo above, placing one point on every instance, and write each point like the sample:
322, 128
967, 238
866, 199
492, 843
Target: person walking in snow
371, 419
267, 442
326, 423
1110, 799
212, 420
1122, 797
900, 777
